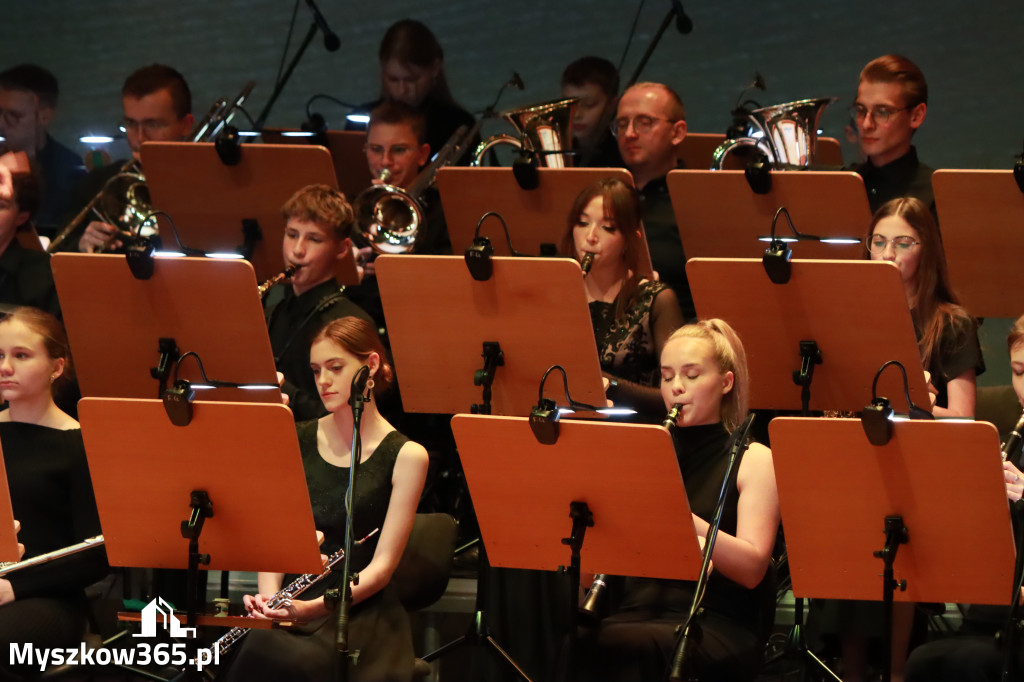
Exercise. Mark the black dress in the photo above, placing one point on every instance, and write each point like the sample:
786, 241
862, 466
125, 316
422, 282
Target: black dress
636, 642
956, 351
379, 626
629, 347
52, 497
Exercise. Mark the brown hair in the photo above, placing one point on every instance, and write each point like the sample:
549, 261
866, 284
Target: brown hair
32, 78
1016, 334
55, 340
730, 356
323, 205
358, 337
410, 42
934, 302
596, 70
622, 207
156, 77
399, 113
894, 68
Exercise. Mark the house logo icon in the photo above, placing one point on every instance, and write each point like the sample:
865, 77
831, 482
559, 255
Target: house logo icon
159, 609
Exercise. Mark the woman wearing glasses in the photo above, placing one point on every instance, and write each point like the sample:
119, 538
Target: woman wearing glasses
904, 232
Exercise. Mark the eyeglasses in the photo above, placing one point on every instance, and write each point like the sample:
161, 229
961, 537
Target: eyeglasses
641, 124
877, 243
150, 125
12, 117
398, 151
878, 114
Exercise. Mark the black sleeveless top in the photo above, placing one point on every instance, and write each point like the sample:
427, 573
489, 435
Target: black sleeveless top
328, 485
702, 455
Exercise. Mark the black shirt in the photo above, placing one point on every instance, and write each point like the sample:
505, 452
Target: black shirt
293, 321
605, 154
26, 279
663, 240
62, 169
904, 177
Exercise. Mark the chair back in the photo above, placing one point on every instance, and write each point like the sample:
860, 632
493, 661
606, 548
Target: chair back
422, 574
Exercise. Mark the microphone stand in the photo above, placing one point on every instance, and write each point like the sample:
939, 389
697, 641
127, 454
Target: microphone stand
690, 634
685, 26
357, 400
279, 85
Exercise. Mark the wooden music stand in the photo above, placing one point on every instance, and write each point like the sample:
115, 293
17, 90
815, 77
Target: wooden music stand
855, 311
719, 216
214, 206
535, 308
698, 149
152, 478
534, 217
943, 477
116, 322
348, 152
8, 538
981, 213
642, 522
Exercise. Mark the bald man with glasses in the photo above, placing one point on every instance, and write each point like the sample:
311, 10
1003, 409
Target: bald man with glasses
650, 125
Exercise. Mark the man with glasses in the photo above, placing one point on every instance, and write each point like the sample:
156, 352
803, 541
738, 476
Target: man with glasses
891, 104
650, 125
157, 108
28, 104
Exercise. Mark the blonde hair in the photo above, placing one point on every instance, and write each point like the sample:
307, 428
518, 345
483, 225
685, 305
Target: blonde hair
730, 356
1016, 334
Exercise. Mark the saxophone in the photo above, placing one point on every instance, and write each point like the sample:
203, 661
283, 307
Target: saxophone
1012, 445
282, 597
289, 270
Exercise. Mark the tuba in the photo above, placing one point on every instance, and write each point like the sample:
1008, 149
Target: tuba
123, 201
545, 129
390, 218
786, 133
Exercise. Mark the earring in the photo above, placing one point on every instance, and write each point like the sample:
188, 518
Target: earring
369, 384
53, 377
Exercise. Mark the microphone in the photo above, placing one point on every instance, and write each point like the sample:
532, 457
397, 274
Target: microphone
331, 40
683, 23
358, 392
673, 414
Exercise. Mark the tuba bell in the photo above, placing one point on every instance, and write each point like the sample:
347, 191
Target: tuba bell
391, 219
543, 128
786, 133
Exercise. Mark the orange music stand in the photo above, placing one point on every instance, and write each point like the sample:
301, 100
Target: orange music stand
8, 538
347, 148
981, 213
943, 477
167, 495
535, 308
698, 149
214, 206
856, 312
719, 216
116, 322
534, 217
642, 521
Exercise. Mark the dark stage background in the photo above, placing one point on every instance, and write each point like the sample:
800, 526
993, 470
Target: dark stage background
804, 48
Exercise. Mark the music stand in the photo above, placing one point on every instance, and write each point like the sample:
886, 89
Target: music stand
534, 217
784, 326
220, 208
116, 323
698, 150
147, 473
981, 212
8, 538
937, 482
347, 148
719, 216
531, 314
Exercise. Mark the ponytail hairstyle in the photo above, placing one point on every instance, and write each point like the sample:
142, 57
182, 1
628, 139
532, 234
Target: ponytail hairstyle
358, 337
730, 356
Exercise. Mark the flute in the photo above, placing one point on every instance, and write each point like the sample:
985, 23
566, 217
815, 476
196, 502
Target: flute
10, 566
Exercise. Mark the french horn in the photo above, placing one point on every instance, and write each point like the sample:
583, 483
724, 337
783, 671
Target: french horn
543, 128
787, 133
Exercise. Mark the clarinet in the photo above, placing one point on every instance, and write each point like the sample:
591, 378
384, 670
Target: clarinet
1013, 442
587, 262
282, 597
